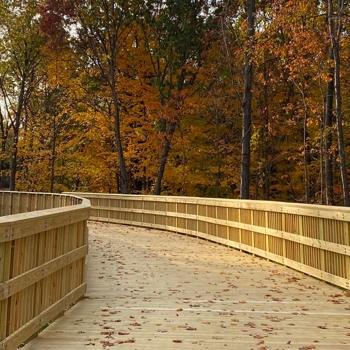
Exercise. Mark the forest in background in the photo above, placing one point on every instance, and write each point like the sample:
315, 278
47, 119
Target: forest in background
231, 99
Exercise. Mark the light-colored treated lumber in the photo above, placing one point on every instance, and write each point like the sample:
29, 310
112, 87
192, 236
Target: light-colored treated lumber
148, 288
336, 213
26, 224
311, 238
42, 258
5, 266
30, 277
312, 242
39, 321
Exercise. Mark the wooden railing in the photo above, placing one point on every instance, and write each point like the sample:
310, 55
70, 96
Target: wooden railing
43, 245
310, 238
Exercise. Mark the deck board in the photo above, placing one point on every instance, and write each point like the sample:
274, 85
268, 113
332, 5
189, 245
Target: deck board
149, 289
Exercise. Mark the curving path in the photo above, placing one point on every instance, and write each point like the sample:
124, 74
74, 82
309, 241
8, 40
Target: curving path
149, 289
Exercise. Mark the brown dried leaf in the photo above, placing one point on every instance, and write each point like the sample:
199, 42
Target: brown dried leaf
106, 343
126, 341
250, 324
258, 336
107, 333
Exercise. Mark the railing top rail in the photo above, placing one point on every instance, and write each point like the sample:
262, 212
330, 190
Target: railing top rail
81, 200
301, 209
40, 218
71, 194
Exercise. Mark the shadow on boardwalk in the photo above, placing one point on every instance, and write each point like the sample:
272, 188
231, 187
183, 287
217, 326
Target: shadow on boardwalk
149, 289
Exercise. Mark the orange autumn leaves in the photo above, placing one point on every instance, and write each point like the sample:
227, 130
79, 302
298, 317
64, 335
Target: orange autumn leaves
187, 96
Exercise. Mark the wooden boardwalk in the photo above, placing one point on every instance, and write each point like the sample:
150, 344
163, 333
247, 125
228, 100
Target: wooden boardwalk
149, 289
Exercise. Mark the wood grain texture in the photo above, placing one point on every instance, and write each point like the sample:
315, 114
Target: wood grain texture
150, 289
313, 239
42, 261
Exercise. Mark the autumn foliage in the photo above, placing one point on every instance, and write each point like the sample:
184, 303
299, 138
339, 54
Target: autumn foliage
148, 97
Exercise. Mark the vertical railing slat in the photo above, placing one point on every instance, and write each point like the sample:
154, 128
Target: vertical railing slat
26, 243
296, 235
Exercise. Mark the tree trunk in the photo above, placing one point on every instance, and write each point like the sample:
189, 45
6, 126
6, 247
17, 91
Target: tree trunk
16, 126
122, 166
329, 137
306, 153
335, 33
4, 135
247, 103
53, 156
164, 158
3, 149
267, 165
217, 148
123, 173
339, 121
14, 151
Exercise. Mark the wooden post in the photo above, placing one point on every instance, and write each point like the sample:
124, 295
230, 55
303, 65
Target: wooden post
301, 247
239, 230
197, 224
109, 209
5, 270
321, 237
227, 227
283, 228
267, 245
206, 224
216, 224
252, 223
177, 211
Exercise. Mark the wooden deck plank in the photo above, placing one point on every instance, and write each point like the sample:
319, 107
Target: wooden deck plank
149, 289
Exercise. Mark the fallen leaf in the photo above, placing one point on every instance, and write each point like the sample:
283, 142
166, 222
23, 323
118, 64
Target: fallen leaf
106, 343
258, 336
250, 324
126, 341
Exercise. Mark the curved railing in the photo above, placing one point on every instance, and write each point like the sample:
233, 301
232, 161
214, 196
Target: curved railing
43, 245
310, 238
